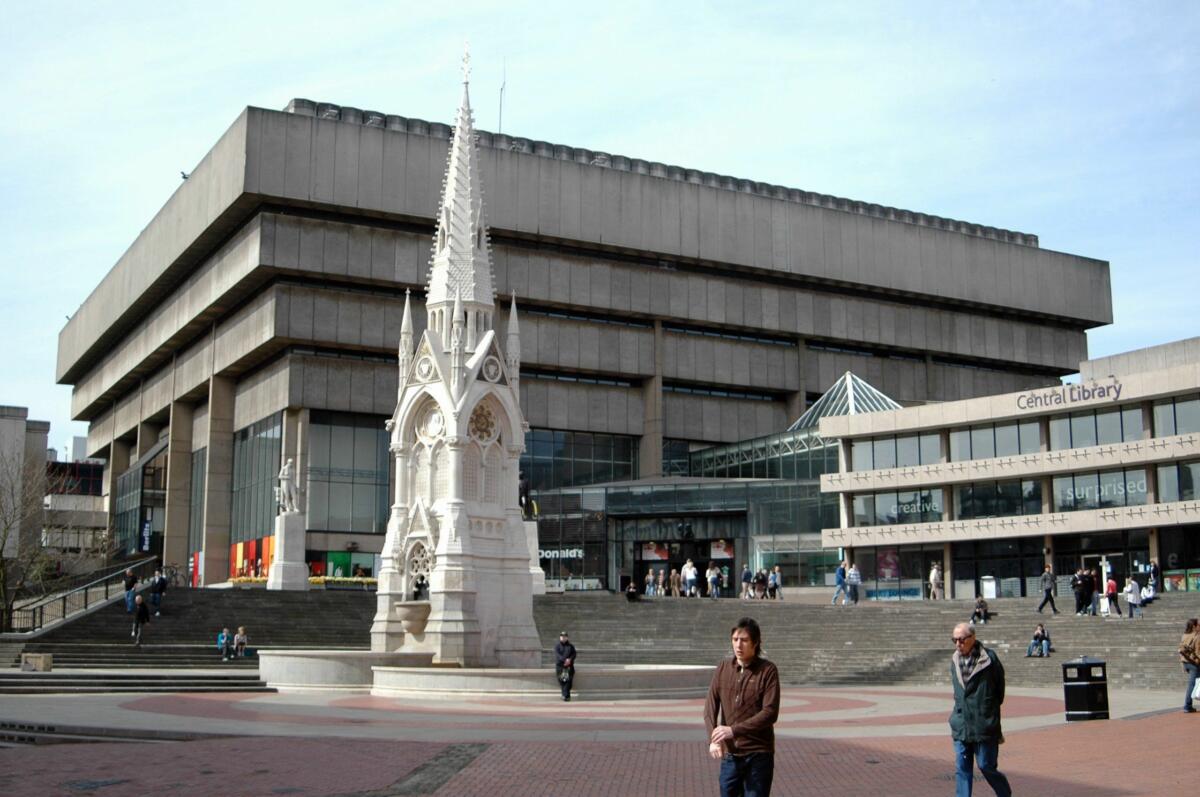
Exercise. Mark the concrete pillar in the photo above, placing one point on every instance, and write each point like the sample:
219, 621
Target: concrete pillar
650, 450
218, 487
118, 463
1048, 550
147, 436
947, 572
179, 485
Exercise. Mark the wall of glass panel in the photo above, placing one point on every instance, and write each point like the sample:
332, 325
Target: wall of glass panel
896, 572
895, 451
1179, 415
800, 454
994, 440
555, 458
142, 498
347, 473
196, 507
1079, 491
256, 462
998, 499
128, 510
902, 506
1178, 481
1013, 562
1095, 427
675, 457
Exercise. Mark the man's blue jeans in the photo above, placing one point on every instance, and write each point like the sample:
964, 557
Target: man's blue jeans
747, 775
129, 596
986, 755
1193, 673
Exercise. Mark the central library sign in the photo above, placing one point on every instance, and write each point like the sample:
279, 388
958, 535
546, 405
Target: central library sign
1068, 394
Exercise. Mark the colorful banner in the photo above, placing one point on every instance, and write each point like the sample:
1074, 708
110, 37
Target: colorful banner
655, 550
721, 549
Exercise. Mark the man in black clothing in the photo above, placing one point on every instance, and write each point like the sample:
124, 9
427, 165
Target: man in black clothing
564, 664
130, 582
141, 616
158, 585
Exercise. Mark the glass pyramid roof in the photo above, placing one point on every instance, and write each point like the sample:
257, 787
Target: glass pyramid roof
848, 396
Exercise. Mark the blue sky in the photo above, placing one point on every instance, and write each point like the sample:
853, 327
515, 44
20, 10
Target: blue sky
1076, 121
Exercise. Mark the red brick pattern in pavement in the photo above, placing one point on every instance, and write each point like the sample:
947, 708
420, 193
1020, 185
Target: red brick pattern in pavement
1117, 758
236, 767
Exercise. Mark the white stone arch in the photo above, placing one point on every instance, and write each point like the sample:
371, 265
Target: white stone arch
420, 473
419, 560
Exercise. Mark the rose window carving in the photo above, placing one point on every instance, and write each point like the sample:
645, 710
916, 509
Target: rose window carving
491, 369
483, 424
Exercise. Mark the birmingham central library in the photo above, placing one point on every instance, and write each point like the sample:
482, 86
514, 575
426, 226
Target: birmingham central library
685, 337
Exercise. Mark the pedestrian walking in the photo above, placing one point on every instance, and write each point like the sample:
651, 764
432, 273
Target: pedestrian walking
1133, 598
1047, 585
130, 589
935, 582
777, 583
854, 580
141, 616
839, 585
674, 583
714, 580
747, 581
158, 586
1189, 657
978, 679
1110, 592
740, 713
564, 664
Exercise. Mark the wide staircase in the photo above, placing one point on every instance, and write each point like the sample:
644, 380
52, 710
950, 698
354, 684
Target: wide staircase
868, 644
183, 640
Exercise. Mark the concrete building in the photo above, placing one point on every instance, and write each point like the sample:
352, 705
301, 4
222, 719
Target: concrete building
664, 310
22, 475
1102, 471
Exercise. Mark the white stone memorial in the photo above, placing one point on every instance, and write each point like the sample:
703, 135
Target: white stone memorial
457, 435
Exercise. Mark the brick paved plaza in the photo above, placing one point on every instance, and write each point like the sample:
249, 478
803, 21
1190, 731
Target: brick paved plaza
889, 741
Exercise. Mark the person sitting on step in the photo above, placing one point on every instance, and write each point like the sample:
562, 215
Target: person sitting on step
981, 611
1040, 644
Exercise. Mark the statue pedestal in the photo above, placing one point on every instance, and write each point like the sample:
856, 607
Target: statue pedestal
537, 576
288, 570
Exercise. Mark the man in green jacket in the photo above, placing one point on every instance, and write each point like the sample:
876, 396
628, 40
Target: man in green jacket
978, 679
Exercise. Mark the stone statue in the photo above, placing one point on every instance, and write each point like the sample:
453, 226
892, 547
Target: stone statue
523, 496
288, 494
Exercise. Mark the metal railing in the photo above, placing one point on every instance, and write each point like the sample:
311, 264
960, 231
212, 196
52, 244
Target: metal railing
57, 608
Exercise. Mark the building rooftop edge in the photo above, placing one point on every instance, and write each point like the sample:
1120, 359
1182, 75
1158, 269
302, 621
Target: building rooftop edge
503, 141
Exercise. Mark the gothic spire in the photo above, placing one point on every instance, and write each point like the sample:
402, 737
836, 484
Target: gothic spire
461, 263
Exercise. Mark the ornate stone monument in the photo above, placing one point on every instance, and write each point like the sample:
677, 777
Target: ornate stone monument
288, 570
457, 435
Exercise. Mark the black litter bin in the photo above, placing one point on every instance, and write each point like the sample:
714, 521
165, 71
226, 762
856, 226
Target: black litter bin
1085, 689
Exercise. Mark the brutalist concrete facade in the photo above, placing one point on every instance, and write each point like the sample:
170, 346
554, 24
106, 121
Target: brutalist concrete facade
696, 307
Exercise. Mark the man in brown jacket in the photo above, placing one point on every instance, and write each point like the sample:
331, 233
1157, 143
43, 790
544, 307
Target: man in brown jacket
744, 696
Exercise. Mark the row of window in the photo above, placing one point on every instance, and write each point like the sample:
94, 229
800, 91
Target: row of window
1072, 492
986, 441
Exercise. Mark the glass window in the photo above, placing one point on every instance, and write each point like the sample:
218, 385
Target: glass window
864, 510
931, 452
860, 455
1189, 479
985, 499
1008, 499
1083, 430
885, 509
1164, 419
1135, 487
1031, 497
1131, 424
1087, 491
1187, 415
1108, 427
1030, 441
1112, 489
1168, 484
884, 452
1060, 433
1064, 494
933, 512
908, 506
983, 442
964, 502
1007, 441
960, 445
908, 452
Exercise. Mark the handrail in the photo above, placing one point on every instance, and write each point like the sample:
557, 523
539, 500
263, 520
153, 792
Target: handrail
56, 608
76, 582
